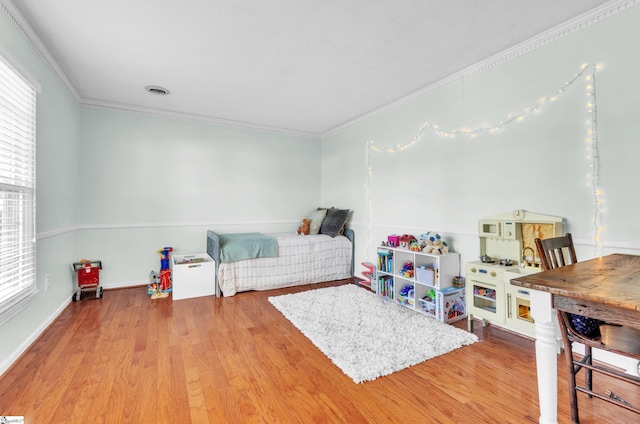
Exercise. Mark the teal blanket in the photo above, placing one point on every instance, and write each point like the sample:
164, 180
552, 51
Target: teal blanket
237, 247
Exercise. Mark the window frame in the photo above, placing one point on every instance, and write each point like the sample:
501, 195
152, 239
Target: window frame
18, 265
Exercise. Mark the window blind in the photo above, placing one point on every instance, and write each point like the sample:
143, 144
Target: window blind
18, 284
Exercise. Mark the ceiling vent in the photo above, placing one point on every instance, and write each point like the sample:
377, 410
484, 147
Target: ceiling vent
154, 89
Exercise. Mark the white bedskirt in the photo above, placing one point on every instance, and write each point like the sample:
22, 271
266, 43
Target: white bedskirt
301, 260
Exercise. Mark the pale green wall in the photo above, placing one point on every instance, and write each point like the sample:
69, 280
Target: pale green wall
539, 164
149, 182
57, 137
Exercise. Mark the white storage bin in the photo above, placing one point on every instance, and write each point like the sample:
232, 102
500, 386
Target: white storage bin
193, 276
425, 275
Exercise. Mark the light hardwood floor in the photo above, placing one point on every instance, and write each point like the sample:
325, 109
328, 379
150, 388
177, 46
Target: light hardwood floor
128, 359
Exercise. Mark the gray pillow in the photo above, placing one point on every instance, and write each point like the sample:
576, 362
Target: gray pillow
334, 222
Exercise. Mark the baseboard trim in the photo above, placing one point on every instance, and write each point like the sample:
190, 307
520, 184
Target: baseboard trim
125, 285
7, 363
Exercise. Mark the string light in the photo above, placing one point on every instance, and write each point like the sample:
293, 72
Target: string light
368, 192
587, 73
593, 157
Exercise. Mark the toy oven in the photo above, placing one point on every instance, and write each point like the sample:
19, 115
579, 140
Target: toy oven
485, 294
519, 305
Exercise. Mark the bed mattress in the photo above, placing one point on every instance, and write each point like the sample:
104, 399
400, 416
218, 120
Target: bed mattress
301, 260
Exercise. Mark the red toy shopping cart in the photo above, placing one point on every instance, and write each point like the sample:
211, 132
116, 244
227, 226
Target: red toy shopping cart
88, 278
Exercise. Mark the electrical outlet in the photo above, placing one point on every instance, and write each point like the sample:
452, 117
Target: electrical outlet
47, 281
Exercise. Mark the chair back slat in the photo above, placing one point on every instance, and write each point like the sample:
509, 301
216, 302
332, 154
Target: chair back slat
556, 252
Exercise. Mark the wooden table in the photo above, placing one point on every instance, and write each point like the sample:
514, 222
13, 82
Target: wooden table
607, 287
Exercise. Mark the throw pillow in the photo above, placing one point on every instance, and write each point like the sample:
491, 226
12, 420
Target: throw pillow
316, 218
334, 222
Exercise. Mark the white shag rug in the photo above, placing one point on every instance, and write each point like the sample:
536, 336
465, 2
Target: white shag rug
364, 335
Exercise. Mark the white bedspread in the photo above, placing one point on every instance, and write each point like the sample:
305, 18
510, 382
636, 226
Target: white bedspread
301, 260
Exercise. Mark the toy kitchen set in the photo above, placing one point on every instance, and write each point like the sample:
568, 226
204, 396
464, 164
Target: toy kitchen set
508, 251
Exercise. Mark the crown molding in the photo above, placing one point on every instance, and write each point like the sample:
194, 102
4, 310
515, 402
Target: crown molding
117, 107
32, 37
567, 28
28, 32
597, 14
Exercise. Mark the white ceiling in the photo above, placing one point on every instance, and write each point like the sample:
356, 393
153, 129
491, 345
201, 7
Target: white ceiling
297, 66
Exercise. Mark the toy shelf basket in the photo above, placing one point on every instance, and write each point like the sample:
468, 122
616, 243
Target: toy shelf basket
88, 278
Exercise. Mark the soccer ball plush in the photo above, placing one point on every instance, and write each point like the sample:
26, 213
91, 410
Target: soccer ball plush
434, 243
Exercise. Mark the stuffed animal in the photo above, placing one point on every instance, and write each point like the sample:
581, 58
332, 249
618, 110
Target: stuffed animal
434, 243
406, 240
303, 229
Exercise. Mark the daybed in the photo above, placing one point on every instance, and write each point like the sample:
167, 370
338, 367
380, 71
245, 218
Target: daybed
291, 259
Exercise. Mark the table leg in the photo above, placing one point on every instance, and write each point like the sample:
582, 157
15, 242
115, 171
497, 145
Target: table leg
546, 361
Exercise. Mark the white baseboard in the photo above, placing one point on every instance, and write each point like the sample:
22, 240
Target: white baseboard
26, 344
125, 284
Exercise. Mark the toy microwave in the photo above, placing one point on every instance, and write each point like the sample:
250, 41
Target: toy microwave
497, 229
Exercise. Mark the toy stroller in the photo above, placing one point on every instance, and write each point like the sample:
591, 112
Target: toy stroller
88, 278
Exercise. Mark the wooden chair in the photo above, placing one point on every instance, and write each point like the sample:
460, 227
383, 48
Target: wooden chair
553, 252
557, 252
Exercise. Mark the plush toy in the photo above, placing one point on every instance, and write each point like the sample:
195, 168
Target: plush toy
406, 240
434, 243
303, 229
407, 270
